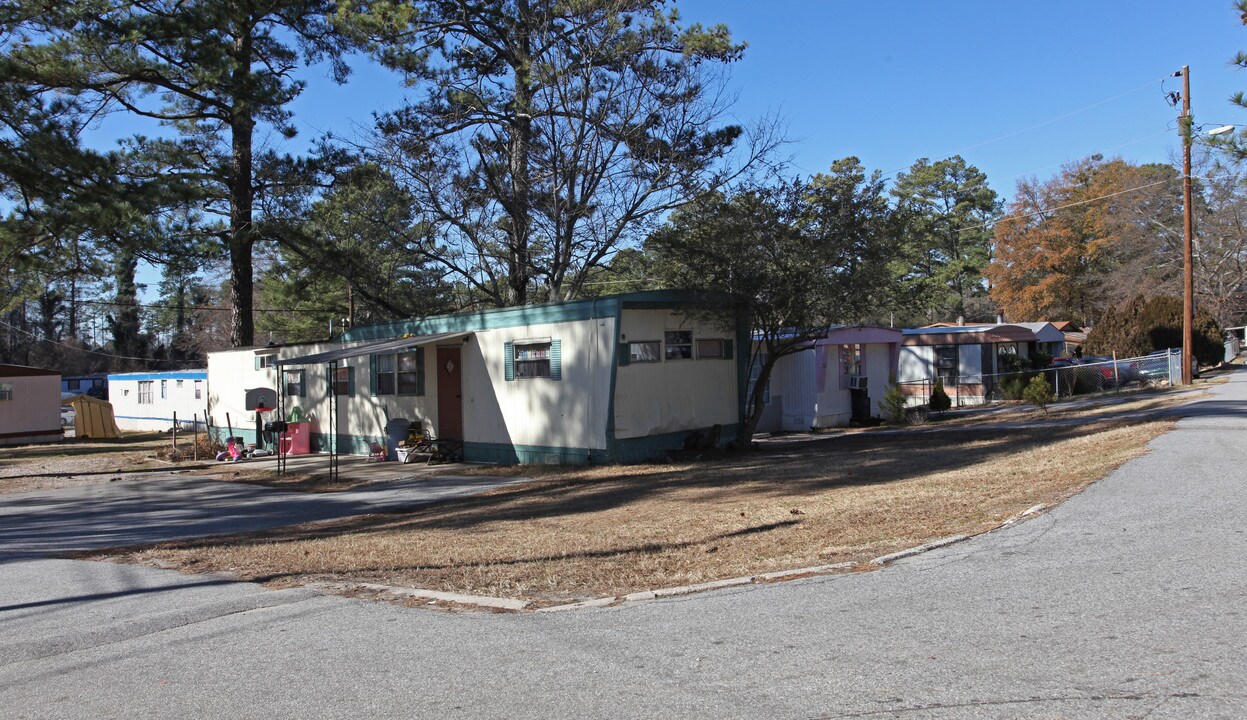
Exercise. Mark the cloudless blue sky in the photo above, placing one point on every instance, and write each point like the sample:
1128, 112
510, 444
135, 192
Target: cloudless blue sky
893, 82
1017, 88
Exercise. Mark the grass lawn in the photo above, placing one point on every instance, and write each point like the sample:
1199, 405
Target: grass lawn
578, 533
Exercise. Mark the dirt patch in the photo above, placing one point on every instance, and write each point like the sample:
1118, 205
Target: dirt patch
78, 462
574, 534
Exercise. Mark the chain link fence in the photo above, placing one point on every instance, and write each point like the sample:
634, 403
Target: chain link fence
1077, 376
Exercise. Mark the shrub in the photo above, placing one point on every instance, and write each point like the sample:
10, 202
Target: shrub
893, 405
1011, 363
1039, 360
1145, 324
939, 399
1039, 392
1013, 388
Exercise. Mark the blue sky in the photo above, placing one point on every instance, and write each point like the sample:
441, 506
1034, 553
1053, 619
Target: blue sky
893, 82
1016, 88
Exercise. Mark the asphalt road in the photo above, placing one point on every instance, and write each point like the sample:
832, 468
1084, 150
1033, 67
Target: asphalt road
152, 507
1125, 602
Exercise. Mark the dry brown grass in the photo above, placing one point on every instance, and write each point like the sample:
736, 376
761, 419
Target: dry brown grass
1144, 402
591, 532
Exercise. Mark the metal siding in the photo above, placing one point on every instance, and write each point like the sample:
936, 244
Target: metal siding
35, 407
969, 364
158, 415
916, 362
678, 395
570, 412
879, 371
799, 391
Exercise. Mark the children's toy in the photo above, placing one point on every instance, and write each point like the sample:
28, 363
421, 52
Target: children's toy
232, 451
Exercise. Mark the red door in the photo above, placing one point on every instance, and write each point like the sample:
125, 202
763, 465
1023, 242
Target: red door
449, 394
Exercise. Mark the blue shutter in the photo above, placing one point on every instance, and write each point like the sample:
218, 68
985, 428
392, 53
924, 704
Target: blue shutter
350, 382
625, 353
727, 349
372, 375
419, 370
303, 383
556, 359
257, 362
508, 361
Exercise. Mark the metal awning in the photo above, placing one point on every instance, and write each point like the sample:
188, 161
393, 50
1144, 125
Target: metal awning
372, 348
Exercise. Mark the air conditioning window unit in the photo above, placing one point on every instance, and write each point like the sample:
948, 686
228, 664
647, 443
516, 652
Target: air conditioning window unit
857, 382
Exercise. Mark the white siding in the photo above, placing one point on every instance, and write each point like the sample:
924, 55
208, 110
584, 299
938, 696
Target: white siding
123, 393
566, 413
834, 407
970, 364
798, 391
675, 395
917, 362
231, 373
879, 370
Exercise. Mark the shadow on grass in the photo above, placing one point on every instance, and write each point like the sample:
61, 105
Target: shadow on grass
775, 472
640, 549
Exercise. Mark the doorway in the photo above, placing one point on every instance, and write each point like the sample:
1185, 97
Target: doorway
449, 394
859, 404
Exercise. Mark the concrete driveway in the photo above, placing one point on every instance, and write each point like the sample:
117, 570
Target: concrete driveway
154, 507
1126, 602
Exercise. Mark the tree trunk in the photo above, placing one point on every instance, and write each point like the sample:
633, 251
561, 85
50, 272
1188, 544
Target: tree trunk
72, 329
749, 423
518, 260
126, 324
241, 238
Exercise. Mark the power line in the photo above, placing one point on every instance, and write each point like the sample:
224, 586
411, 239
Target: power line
1006, 136
155, 306
78, 349
1024, 216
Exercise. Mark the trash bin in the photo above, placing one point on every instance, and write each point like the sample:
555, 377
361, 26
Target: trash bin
395, 433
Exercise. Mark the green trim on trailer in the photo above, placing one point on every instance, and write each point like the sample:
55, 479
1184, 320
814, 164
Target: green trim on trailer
504, 454
592, 308
614, 366
653, 448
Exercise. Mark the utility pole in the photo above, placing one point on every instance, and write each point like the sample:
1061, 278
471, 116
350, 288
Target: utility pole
1188, 230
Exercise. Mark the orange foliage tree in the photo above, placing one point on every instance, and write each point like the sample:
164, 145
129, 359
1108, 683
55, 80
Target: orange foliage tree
1063, 239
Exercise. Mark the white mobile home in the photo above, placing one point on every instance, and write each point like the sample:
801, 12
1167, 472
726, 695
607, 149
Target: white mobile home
838, 379
30, 405
148, 401
966, 359
1048, 337
613, 379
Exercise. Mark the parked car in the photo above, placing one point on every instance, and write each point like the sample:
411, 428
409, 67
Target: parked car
1155, 365
68, 414
1092, 373
1115, 373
